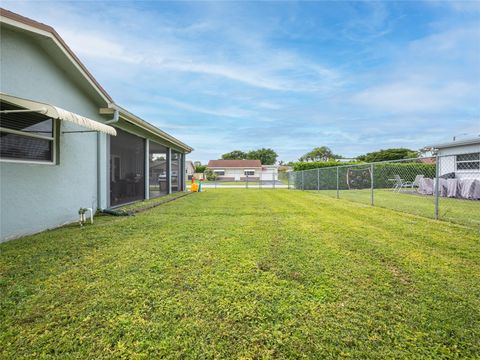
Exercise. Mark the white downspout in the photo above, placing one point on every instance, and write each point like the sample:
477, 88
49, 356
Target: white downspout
169, 167
116, 117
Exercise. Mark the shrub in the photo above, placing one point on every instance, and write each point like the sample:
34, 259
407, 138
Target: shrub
388, 154
210, 175
200, 168
318, 164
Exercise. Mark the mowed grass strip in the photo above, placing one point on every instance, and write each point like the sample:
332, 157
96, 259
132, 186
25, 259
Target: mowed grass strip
459, 211
233, 273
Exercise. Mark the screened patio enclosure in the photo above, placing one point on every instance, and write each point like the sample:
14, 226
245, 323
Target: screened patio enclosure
176, 174
158, 161
127, 168
132, 158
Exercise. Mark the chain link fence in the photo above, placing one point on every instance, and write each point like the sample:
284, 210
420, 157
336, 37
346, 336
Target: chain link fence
441, 187
265, 178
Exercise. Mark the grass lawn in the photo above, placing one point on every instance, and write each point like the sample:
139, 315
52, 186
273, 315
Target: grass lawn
466, 212
233, 273
220, 183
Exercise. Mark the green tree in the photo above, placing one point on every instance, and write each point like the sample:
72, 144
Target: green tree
322, 153
427, 151
266, 156
210, 175
235, 155
388, 154
200, 168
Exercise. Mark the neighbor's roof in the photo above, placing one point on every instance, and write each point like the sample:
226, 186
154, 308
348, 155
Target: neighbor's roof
234, 163
470, 141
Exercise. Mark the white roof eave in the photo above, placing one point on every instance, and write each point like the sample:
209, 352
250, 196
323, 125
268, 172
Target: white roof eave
457, 143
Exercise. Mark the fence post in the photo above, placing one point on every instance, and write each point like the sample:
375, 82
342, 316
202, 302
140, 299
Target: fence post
437, 175
288, 179
246, 183
273, 178
318, 179
371, 185
338, 193
303, 179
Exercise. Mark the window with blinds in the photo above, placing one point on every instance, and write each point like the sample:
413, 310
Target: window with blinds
26, 136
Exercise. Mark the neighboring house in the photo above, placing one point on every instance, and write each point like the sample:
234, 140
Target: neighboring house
461, 157
427, 160
239, 170
189, 169
269, 173
64, 143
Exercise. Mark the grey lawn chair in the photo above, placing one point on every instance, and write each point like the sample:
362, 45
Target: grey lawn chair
416, 182
402, 184
398, 183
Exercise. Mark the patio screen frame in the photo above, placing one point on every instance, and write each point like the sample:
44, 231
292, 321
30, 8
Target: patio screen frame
148, 144
131, 178
153, 145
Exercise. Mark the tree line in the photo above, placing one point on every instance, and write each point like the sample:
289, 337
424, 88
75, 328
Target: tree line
324, 153
268, 156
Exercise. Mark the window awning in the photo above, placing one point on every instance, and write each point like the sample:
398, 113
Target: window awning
57, 113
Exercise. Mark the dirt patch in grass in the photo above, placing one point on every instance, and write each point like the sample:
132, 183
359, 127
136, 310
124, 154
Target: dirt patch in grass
403, 278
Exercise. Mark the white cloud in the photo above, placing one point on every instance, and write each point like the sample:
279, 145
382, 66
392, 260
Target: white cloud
460, 43
229, 112
362, 28
95, 45
468, 6
431, 75
244, 57
413, 96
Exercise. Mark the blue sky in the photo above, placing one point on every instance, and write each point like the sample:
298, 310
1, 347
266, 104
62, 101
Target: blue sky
355, 76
